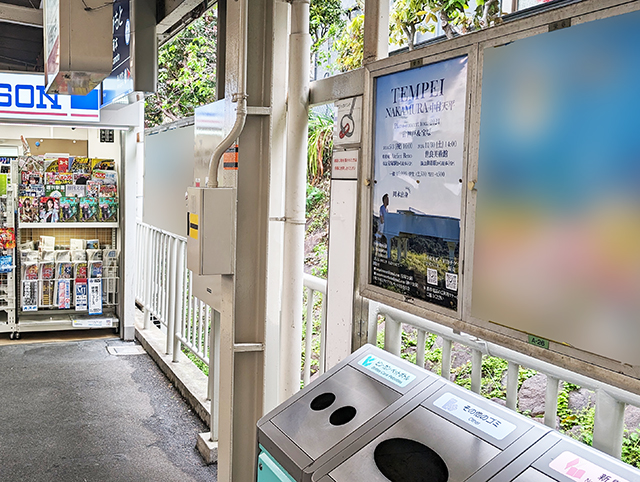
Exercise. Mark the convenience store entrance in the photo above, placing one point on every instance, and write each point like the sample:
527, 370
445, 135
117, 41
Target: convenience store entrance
68, 185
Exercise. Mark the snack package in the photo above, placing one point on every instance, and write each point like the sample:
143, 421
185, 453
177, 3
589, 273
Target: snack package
29, 210
88, 210
68, 210
74, 190
7, 238
108, 209
6, 264
49, 210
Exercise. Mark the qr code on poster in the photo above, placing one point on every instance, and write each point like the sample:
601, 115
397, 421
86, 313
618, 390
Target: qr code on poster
432, 276
451, 281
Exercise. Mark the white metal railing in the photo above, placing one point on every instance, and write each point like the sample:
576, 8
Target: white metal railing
610, 400
164, 288
315, 324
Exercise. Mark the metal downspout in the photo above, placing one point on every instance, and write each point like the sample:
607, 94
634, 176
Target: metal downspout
239, 97
294, 227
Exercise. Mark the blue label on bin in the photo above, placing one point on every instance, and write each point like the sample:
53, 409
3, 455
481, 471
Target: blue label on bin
386, 370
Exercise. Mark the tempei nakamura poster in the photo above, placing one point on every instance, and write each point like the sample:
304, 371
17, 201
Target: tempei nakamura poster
418, 165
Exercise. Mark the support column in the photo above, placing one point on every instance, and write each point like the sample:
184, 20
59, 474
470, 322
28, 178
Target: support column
376, 30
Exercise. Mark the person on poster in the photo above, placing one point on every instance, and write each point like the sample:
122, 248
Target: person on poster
50, 213
381, 224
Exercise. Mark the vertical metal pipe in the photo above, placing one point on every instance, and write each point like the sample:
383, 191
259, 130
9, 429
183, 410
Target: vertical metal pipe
214, 373
446, 359
179, 305
147, 279
173, 295
205, 330
308, 336
551, 402
295, 191
513, 371
420, 347
372, 332
323, 335
392, 335
202, 319
608, 427
476, 371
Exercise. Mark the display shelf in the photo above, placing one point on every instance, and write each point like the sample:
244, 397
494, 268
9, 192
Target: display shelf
67, 225
58, 322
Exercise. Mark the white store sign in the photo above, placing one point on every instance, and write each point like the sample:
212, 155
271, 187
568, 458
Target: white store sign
24, 97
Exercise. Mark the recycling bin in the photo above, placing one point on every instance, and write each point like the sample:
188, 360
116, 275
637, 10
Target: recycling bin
558, 458
334, 411
451, 435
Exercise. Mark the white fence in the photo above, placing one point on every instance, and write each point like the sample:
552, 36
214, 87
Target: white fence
164, 289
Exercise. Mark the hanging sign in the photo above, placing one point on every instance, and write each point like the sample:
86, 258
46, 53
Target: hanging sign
347, 128
417, 193
120, 82
23, 97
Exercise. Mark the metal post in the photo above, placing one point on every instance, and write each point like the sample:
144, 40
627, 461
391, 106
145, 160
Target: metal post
420, 347
308, 338
179, 301
147, 278
295, 191
513, 371
476, 371
323, 335
214, 374
372, 332
392, 335
446, 359
376, 30
172, 251
551, 402
608, 425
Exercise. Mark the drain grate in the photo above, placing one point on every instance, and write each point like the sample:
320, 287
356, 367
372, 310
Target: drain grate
126, 350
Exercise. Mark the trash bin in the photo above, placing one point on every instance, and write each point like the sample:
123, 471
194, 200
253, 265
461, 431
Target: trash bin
557, 458
334, 411
451, 435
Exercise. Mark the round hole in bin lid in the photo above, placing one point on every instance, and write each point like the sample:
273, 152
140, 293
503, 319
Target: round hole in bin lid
404, 460
322, 401
342, 415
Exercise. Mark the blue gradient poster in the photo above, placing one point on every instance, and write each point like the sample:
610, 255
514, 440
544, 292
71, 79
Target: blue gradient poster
418, 166
558, 205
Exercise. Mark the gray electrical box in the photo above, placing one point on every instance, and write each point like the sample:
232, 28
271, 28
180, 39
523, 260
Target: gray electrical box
211, 230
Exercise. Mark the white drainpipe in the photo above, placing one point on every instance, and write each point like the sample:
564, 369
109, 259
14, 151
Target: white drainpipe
294, 228
240, 97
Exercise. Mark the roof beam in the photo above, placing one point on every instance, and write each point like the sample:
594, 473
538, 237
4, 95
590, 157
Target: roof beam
31, 17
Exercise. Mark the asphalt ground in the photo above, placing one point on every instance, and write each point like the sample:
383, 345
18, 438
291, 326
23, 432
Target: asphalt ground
70, 411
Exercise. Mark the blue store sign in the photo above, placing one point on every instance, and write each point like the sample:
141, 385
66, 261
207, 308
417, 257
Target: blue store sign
23, 97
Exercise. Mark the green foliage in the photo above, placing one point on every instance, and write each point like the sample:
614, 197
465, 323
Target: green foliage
409, 17
326, 23
196, 361
314, 196
186, 73
631, 448
350, 46
320, 145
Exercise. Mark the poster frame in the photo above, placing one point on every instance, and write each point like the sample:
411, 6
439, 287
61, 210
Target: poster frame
560, 354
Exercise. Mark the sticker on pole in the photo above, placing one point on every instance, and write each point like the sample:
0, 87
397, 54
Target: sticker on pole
577, 468
387, 371
476, 417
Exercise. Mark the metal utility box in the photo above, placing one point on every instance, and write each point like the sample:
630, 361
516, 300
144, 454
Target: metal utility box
335, 411
79, 45
211, 230
557, 458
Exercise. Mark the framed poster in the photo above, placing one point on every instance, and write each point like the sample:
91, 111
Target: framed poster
418, 162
